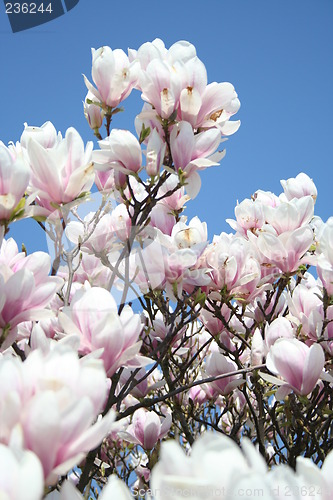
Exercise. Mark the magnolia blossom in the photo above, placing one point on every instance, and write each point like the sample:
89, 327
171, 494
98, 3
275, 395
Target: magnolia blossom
177, 197
155, 153
46, 135
88, 268
276, 307
113, 75
192, 153
175, 80
102, 232
114, 489
73, 391
306, 308
161, 84
257, 348
93, 315
218, 364
299, 186
289, 215
249, 217
25, 287
211, 106
21, 474
142, 384
216, 460
146, 428
120, 151
234, 264
287, 250
92, 111
172, 261
60, 171
279, 328
14, 179
325, 257
162, 218
299, 366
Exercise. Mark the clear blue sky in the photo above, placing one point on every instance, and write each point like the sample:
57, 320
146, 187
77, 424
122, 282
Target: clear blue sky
277, 53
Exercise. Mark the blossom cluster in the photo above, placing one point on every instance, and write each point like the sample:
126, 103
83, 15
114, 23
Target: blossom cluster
137, 329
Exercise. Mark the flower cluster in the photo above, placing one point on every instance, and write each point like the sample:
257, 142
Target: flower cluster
137, 329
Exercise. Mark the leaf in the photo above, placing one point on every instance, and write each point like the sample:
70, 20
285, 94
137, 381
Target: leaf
144, 133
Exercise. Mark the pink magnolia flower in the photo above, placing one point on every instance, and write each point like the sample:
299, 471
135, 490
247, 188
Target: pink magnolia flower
149, 119
214, 462
325, 239
285, 251
210, 106
74, 393
260, 305
93, 315
289, 215
180, 51
113, 75
177, 199
218, 364
147, 428
212, 324
121, 222
299, 366
114, 489
93, 112
14, 179
90, 269
46, 135
234, 264
267, 198
176, 80
161, 85
325, 273
306, 307
299, 186
120, 151
257, 348
148, 384
104, 235
62, 172
155, 153
325, 255
249, 217
21, 475
279, 328
25, 288
192, 235
105, 181
172, 261
192, 153
162, 218
202, 393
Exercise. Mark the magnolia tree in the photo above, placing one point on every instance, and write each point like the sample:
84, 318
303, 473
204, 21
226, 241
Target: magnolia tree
138, 359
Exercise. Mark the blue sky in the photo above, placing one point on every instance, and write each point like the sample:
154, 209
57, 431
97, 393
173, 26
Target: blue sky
277, 53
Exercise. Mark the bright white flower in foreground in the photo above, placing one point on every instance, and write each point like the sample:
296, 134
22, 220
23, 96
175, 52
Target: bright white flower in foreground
21, 475
114, 490
215, 463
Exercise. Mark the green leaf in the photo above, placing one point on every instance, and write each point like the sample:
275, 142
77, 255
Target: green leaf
116, 111
39, 218
173, 116
144, 133
99, 104
200, 298
83, 194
